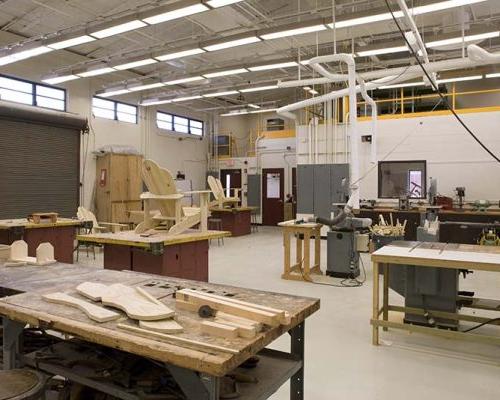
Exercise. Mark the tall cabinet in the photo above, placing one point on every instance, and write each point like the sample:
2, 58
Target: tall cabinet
118, 186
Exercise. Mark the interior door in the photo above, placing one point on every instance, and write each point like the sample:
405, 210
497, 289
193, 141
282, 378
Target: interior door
231, 178
273, 188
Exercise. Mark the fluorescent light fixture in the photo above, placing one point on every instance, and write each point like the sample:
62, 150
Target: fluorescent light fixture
495, 75
114, 93
386, 50
96, 72
226, 73
185, 80
402, 85
180, 54
60, 79
273, 66
235, 113
23, 55
313, 92
179, 99
259, 89
145, 87
175, 14
458, 40
264, 111
305, 62
232, 43
154, 102
443, 5
293, 32
135, 64
365, 20
71, 42
117, 29
221, 3
460, 79
254, 106
307, 88
228, 93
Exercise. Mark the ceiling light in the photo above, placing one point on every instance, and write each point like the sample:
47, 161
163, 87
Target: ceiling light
175, 14
23, 55
146, 87
60, 79
253, 106
457, 40
402, 85
306, 62
313, 92
135, 64
264, 111
235, 113
228, 93
117, 29
154, 102
443, 5
293, 32
232, 43
386, 50
180, 54
226, 73
259, 89
365, 20
273, 66
71, 42
185, 80
114, 93
179, 99
460, 79
96, 72
307, 88
495, 75
221, 3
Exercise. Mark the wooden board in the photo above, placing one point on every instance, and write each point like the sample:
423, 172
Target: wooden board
24, 223
30, 308
164, 326
217, 329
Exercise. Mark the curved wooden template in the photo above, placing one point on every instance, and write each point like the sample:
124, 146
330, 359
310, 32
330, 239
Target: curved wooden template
166, 326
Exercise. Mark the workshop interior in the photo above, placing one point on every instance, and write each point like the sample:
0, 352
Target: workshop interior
185, 183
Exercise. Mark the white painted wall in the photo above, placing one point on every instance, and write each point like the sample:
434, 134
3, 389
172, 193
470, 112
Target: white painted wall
171, 151
453, 157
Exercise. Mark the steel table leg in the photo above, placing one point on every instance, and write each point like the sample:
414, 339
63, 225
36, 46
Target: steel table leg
297, 347
11, 342
194, 385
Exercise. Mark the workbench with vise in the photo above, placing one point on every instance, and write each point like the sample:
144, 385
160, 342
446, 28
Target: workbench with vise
195, 360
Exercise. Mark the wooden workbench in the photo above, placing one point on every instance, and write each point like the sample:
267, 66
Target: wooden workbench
60, 234
237, 220
303, 233
184, 361
436, 255
182, 256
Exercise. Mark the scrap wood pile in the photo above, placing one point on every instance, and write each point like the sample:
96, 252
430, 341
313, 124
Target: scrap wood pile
385, 229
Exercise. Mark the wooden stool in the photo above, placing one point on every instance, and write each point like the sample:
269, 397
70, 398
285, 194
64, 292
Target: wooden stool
216, 225
255, 226
21, 384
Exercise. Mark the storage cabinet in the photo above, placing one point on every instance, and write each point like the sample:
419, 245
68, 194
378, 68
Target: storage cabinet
118, 186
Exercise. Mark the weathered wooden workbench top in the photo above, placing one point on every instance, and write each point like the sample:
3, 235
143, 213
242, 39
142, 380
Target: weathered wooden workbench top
232, 209
130, 238
24, 223
29, 308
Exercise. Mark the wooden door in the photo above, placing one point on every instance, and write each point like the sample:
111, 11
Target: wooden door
231, 177
273, 188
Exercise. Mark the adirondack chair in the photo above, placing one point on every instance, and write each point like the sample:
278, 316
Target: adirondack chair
220, 197
86, 215
164, 196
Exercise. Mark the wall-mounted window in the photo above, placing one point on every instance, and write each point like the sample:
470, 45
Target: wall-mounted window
110, 109
402, 179
178, 124
32, 93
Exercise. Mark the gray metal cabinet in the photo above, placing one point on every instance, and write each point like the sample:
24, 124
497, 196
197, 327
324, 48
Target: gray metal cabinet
253, 195
305, 189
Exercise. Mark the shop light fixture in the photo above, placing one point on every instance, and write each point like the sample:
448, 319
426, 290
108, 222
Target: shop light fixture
385, 50
96, 72
155, 102
495, 75
220, 94
179, 99
458, 40
293, 32
259, 89
226, 73
60, 79
273, 66
185, 80
221, 3
268, 110
180, 54
112, 93
172, 14
117, 29
23, 55
232, 43
145, 87
460, 79
402, 85
135, 64
71, 42
254, 106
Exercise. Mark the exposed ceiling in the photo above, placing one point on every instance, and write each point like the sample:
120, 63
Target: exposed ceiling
36, 18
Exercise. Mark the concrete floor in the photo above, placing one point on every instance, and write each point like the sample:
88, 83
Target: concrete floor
340, 361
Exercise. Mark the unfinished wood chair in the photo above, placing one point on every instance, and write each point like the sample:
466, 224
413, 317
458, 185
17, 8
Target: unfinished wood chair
164, 195
86, 215
221, 200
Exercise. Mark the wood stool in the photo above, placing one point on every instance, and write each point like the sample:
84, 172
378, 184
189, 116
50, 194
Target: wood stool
216, 224
21, 384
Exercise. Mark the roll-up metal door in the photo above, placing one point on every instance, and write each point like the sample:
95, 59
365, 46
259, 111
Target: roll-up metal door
39, 161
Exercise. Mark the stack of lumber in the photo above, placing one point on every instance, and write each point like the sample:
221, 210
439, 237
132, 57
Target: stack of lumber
230, 318
388, 229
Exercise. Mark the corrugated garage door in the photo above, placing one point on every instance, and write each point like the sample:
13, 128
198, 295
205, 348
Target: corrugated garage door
39, 161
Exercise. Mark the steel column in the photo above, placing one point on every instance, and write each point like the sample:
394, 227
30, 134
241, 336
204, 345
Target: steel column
297, 349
